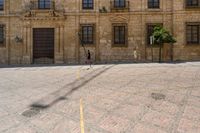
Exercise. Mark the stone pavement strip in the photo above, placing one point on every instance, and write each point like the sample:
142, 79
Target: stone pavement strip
123, 98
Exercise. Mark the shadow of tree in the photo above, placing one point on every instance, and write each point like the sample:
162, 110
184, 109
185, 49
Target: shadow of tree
61, 94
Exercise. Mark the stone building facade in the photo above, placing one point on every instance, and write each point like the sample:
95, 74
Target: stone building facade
52, 31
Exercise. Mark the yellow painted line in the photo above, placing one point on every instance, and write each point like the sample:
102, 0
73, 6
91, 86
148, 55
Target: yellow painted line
78, 74
81, 117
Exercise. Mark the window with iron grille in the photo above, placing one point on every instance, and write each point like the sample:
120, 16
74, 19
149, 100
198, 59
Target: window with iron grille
1, 5
2, 32
44, 4
192, 3
119, 3
150, 29
120, 34
87, 34
193, 33
153, 3
88, 4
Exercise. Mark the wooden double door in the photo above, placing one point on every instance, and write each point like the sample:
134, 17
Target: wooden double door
43, 43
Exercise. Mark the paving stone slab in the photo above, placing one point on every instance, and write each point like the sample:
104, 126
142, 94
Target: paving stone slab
124, 98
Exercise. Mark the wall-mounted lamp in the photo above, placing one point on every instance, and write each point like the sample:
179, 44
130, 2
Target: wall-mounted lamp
18, 39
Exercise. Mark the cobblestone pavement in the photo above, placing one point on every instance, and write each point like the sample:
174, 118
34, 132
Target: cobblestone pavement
125, 98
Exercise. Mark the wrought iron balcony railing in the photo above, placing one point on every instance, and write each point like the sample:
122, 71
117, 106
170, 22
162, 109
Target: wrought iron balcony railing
42, 5
119, 5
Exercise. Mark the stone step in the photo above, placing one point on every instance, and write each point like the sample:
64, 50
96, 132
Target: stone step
43, 61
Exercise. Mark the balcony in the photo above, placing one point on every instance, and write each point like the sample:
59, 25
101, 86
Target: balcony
42, 5
119, 6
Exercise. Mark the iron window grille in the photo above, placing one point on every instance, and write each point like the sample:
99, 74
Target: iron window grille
2, 34
87, 34
193, 33
120, 35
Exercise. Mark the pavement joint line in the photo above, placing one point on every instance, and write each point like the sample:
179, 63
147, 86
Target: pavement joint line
81, 117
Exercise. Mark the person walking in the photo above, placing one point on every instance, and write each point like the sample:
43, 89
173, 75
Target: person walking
89, 58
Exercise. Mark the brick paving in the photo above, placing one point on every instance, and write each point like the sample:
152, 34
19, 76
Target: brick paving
123, 98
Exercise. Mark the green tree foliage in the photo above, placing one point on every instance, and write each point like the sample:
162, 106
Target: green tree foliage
161, 36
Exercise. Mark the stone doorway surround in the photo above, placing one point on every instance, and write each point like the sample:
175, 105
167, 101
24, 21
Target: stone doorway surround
43, 19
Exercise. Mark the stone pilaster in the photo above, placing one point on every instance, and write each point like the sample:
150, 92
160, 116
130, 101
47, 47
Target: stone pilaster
59, 59
27, 45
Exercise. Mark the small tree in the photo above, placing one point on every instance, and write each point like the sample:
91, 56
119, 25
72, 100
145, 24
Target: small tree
161, 36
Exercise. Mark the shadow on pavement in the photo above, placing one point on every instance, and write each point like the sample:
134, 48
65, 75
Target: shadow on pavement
61, 94
36, 65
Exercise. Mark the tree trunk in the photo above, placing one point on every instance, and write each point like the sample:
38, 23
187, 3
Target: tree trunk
152, 53
172, 52
160, 52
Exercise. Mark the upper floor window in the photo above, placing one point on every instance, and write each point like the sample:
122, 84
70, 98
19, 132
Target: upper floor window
153, 3
193, 33
87, 32
1, 5
88, 4
44, 4
192, 3
120, 35
2, 34
119, 3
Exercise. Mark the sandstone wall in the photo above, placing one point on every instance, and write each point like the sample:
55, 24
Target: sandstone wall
69, 15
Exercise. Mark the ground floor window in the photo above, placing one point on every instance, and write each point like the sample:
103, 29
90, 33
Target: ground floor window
87, 32
120, 34
1, 5
2, 35
193, 33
